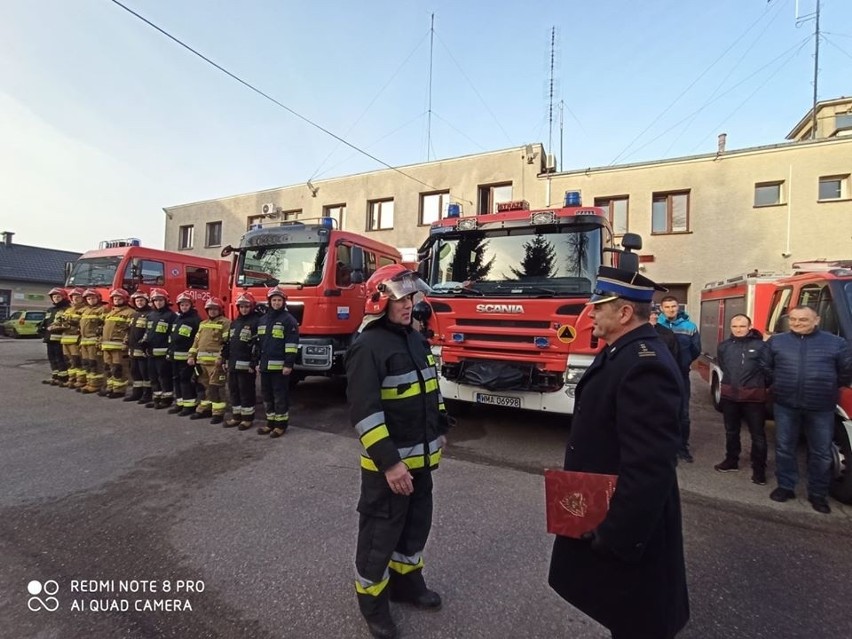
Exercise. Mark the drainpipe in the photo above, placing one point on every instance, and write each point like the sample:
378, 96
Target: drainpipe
786, 254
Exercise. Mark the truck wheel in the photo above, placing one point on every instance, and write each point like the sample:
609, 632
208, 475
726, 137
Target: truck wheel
841, 469
457, 408
716, 392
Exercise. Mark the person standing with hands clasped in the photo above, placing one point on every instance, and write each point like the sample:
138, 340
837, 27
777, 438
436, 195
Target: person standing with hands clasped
628, 574
278, 335
399, 416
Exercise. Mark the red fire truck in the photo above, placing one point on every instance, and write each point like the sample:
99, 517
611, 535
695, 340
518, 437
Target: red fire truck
507, 314
126, 264
767, 298
323, 270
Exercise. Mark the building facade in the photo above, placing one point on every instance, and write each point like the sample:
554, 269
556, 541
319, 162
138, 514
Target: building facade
702, 218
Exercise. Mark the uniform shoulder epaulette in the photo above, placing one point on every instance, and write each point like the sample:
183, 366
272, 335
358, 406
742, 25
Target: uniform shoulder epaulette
644, 351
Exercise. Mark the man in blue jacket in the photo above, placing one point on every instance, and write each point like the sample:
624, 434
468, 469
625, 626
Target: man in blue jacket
689, 348
807, 367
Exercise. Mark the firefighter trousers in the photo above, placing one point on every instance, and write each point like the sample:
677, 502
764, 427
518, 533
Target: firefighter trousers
392, 532
58, 365
74, 362
160, 372
275, 388
184, 384
139, 372
117, 369
242, 386
93, 365
212, 379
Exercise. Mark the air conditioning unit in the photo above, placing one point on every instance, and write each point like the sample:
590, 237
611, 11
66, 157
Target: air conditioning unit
269, 209
550, 162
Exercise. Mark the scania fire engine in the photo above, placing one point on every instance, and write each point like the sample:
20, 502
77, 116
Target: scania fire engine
507, 314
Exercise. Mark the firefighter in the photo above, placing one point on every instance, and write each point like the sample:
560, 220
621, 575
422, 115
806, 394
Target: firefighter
399, 415
136, 349
53, 337
278, 338
180, 340
206, 353
117, 324
239, 354
156, 346
68, 324
91, 329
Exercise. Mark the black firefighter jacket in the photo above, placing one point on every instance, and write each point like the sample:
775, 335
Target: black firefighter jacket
278, 336
626, 423
156, 338
241, 350
394, 402
183, 335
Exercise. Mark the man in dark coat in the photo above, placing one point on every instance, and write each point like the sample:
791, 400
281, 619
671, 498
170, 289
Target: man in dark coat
628, 574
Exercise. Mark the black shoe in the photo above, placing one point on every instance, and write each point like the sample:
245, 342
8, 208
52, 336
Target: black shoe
264, 430
134, 398
382, 629
684, 455
117, 395
245, 425
217, 419
426, 600
174, 410
277, 432
727, 466
197, 415
164, 403
231, 423
187, 411
781, 494
47, 381
820, 504
758, 476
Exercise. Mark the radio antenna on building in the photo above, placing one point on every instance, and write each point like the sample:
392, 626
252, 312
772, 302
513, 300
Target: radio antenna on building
551, 91
800, 20
429, 108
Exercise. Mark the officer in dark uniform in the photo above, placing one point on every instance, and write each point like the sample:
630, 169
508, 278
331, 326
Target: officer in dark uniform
398, 413
628, 574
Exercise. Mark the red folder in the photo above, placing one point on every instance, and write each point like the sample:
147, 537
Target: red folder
576, 502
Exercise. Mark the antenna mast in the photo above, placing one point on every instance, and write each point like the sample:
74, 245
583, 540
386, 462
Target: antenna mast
429, 109
552, 81
799, 21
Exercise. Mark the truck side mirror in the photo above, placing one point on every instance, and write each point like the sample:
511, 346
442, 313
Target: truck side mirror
356, 261
628, 261
632, 241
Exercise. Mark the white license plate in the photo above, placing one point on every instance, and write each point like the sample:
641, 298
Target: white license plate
498, 400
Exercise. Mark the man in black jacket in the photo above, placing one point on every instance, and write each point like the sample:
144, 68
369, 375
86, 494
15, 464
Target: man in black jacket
807, 367
398, 413
743, 396
628, 574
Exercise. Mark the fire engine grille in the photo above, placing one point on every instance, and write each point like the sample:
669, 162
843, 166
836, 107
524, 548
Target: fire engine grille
501, 323
506, 339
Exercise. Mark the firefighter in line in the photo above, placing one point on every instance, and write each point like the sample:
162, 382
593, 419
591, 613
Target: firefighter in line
117, 324
206, 355
239, 354
91, 328
180, 340
53, 337
68, 324
156, 346
278, 336
399, 415
141, 392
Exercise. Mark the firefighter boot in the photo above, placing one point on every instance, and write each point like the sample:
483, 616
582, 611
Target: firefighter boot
187, 411
232, 422
264, 430
410, 588
165, 402
376, 611
147, 397
200, 414
177, 408
246, 424
135, 395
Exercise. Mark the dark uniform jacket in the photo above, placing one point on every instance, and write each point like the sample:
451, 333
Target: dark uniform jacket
183, 335
49, 318
626, 423
669, 339
395, 405
240, 351
739, 358
138, 328
278, 336
159, 328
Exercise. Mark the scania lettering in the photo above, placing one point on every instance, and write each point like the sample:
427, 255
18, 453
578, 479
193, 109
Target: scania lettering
499, 308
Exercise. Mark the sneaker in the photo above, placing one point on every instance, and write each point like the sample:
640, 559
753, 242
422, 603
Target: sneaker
684, 455
758, 477
781, 494
727, 466
820, 504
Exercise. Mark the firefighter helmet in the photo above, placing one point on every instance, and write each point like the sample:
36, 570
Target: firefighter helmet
246, 298
214, 302
120, 292
276, 290
161, 293
58, 291
75, 291
140, 295
92, 292
185, 296
391, 282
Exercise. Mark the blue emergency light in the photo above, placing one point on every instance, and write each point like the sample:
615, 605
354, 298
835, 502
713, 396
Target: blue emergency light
573, 198
454, 210
327, 221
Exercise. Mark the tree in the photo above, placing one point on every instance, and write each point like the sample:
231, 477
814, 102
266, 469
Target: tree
539, 259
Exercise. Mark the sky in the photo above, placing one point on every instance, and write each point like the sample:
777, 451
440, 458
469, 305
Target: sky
104, 120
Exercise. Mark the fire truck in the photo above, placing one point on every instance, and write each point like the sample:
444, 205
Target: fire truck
767, 298
323, 270
507, 315
125, 263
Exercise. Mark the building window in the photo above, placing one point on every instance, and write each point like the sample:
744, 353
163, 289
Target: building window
843, 122
835, 187
381, 215
670, 212
767, 193
616, 211
291, 215
490, 195
185, 234
213, 236
335, 211
254, 220
433, 206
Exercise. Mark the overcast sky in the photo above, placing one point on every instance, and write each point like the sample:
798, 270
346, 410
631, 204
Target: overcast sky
104, 120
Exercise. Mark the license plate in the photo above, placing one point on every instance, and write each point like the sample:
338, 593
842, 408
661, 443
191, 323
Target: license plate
498, 400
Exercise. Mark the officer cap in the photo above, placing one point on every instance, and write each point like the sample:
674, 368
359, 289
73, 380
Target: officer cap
613, 283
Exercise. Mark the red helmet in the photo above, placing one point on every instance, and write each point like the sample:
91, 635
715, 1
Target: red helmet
276, 290
92, 292
58, 291
161, 293
120, 292
139, 295
246, 298
214, 302
185, 296
394, 282
75, 291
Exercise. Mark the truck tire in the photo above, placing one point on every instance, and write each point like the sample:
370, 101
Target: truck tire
457, 408
841, 471
716, 392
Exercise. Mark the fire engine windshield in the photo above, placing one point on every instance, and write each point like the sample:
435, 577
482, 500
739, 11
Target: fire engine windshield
292, 264
515, 262
95, 271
